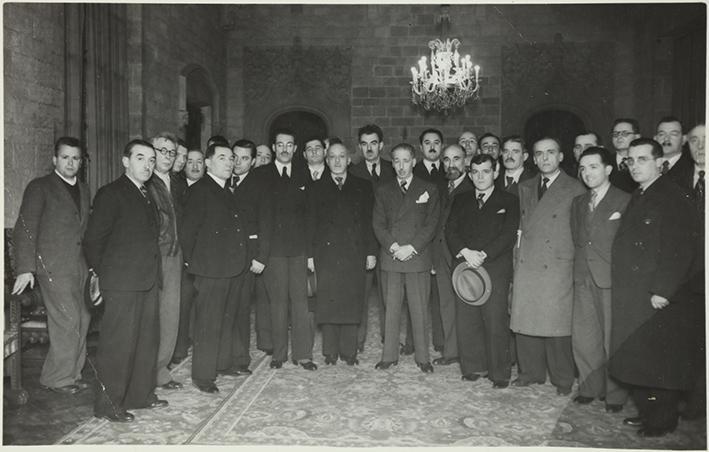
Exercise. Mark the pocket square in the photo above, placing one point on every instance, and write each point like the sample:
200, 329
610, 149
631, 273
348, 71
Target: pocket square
501, 211
423, 198
614, 216
302, 188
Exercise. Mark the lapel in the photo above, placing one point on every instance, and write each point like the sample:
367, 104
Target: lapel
603, 210
549, 201
410, 196
218, 192
84, 198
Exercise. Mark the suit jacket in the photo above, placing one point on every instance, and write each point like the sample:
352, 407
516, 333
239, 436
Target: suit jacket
386, 172
622, 178
248, 196
121, 241
287, 234
652, 254
214, 235
593, 237
439, 180
527, 173
441, 254
169, 205
406, 219
51, 226
492, 229
325, 173
543, 280
682, 172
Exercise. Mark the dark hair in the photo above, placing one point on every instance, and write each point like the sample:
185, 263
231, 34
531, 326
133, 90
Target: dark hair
479, 159
218, 139
128, 150
590, 132
670, 119
436, 131
547, 137
334, 140
633, 123
282, 131
515, 139
246, 144
314, 138
603, 153
212, 148
70, 142
370, 129
656, 148
405, 146
488, 135
181, 142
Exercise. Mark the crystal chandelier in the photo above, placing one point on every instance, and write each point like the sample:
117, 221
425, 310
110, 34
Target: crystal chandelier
450, 82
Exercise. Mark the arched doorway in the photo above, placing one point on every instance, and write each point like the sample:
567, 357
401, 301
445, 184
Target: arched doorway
305, 124
560, 124
198, 102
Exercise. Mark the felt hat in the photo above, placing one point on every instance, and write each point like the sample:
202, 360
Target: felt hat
472, 285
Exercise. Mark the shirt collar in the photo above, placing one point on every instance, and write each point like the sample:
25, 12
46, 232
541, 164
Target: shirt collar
190, 182
71, 181
377, 162
514, 174
241, 178
672, 160
320, 168
344, 177
280, 166
551, 178
135, 182
486, 193
429, 163
218, 180
408, 181
601, 191
457, 182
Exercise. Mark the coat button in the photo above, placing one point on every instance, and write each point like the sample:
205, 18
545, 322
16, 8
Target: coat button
546, 266
589, 242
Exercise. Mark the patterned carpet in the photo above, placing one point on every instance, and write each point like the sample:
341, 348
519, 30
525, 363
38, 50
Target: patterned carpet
360, 406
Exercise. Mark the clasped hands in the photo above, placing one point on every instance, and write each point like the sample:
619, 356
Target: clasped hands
474, 258
402, 252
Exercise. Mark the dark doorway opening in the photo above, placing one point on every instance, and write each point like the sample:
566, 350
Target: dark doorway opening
193, 129
304, 124
560, 124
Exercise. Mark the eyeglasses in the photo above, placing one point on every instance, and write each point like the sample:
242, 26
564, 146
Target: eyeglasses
288, 146
624, 134
167, 152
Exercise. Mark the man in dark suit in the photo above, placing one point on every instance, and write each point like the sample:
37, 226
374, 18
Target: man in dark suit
378, 171
625, 130
180, 158
314, 154
584, 140
652, 339
214, 246
678, 164
47, 239
513, 158
121, 247
406, 213
490, 144
469, 142
481, 230
343, 248
543, 279
595, 216
167, 190
284, 184
454, 166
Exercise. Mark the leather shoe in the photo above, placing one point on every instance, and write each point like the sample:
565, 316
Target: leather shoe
351, 361
563, 391
236, 371
268, 351
117, 417
276, 364
636, 421
158, 403
500, 384
210, 388
68, 389
308, 365
522, 383
426, 368
583, 400
177, 359
445, 361
384, 365
172, 384
438, 348
654, 432
613, 407
360, 348
470, 377
407, 349
331, 359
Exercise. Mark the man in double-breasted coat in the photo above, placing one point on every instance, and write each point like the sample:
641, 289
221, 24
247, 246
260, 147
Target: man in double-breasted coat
543, 284
652, 339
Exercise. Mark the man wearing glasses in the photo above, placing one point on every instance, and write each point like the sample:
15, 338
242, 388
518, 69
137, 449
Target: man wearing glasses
166, 189
284, 186
625, 130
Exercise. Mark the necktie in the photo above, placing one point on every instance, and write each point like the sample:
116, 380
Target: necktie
451, 186
233, 183
543, 188
339, 182
434, 170
144, 192
510, 180
623, 164
403, 186
480, 200
592, 204
665, 167
375, 176
315, 175
284, 173
699, 188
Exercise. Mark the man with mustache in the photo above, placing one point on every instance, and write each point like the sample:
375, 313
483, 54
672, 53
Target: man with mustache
378, 171
624, 131
678, 164
490, 144
514, 155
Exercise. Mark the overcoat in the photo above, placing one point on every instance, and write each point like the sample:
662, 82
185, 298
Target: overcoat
342, 237
542, 297
653, 252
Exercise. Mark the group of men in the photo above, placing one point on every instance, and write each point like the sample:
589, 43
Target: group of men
602, 274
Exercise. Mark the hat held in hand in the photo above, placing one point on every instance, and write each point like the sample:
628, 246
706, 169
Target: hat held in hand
472, 285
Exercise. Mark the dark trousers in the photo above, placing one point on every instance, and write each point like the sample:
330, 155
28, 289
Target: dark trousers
339, 340
484, 334
537, 354
657, 407
446, 307
126, 359
369, 279
434, 303
264, 341
285, 279
416, 287
240, 314
213, 325
187, 294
